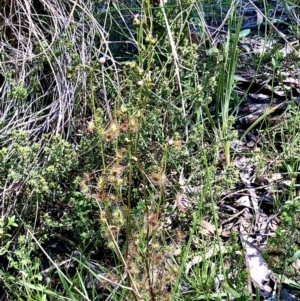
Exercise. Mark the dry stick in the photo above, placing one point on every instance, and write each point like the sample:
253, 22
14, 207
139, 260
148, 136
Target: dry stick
71, 14
175, 55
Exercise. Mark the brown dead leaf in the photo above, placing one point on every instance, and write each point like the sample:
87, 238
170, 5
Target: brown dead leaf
208, 228
225, 234
178, 202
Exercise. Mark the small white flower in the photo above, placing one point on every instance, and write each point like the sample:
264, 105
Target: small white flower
102, 60
140, 83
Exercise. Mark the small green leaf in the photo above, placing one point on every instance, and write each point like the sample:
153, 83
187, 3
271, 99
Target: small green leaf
230, 290
244, 33
296, 255
287, 281
273, 62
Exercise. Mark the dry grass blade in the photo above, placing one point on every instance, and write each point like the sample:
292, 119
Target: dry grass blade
40, 42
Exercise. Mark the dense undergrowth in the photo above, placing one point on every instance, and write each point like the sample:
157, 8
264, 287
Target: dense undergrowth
117, 162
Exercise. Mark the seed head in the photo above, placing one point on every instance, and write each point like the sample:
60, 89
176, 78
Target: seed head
133, 269
112, 231
133, 124
124, 126
91, 126
158, 179
118, 182
136, 22
112, 132
101, 183
118, 217
111, 245
133, 65
114, 128
140, 71
152, 219
100, 197
155, 246
116, 171
103, 216
83, 187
